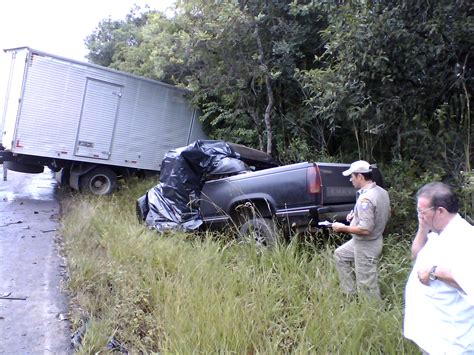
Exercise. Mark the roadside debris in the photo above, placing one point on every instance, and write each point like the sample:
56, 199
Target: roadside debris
7, 296
9, 224
62, 317
78, 336
115, 345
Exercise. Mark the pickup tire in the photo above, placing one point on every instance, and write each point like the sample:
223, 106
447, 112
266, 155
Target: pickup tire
260, 230
99, 181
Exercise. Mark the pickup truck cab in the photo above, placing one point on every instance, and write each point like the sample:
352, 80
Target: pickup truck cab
295, 196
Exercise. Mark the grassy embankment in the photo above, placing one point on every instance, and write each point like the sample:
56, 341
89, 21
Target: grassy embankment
183, 293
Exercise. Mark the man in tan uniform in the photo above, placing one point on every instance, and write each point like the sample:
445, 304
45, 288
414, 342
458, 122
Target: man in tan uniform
367, 224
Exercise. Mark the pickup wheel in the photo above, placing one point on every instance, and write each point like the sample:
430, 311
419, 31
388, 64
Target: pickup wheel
99, 181
260, 230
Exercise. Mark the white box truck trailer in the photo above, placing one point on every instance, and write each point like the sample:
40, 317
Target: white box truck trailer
91, 123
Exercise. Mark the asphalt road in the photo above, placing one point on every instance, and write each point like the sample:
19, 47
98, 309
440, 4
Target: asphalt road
33, 307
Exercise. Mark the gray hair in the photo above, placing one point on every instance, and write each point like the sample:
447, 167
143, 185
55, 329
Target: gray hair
440, 195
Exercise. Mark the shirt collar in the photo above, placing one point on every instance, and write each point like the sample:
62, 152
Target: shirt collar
451, 224
366, 188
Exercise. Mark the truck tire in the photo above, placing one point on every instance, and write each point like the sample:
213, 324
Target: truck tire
260, 230
23, 168
99, 181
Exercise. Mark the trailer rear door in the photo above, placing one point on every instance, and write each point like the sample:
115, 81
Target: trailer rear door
98, 118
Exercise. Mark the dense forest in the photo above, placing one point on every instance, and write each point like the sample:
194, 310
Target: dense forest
386, 81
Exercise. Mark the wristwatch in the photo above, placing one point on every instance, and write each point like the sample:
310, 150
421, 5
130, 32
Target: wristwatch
432, 274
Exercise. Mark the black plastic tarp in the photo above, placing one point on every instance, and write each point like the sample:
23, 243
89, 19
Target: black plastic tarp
174, 202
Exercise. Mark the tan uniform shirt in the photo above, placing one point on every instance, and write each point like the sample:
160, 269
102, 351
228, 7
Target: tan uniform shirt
372, 211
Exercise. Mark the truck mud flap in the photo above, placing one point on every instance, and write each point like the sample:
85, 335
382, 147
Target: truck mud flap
77, 170
5, 156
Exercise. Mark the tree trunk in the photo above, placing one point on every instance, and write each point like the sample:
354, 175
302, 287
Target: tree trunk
254, 116
270, 97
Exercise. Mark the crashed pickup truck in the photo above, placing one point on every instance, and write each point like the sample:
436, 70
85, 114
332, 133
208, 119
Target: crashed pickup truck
216, 185
296, 197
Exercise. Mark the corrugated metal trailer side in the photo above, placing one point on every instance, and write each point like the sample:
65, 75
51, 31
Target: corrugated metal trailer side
82, 112
93, 122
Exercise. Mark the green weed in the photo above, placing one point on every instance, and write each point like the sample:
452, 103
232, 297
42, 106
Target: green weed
200, 293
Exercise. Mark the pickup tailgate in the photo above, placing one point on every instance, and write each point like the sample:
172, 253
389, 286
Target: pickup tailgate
338, 196
336, 188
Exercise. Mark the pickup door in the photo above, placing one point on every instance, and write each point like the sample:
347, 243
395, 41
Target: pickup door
300, 194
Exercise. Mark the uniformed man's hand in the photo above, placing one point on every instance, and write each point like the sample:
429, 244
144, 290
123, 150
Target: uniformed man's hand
350, 216
338, 227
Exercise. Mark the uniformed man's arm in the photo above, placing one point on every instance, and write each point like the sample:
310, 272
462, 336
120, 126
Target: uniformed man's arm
366, 212
342, 228
365, 223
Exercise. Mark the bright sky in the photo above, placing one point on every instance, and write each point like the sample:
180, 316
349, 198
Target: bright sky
60, 26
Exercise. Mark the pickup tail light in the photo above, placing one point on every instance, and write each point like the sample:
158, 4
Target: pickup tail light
313, 177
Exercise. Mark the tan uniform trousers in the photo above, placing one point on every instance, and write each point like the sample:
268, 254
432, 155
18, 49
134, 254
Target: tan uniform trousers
359, 258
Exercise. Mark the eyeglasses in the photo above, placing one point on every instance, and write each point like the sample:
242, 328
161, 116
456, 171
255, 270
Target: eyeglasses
421, 212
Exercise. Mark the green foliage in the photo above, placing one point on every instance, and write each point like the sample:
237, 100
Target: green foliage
188, 293
299, 150
402, 180
394, 77
382, 81
466, 193
109, 42
379, 81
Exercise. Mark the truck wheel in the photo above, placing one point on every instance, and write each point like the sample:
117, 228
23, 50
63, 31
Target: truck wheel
260, 230
99, 181
23, 168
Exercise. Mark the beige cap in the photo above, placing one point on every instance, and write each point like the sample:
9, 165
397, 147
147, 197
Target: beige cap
359, 166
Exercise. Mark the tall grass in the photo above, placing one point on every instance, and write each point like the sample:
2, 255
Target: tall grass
185, 293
